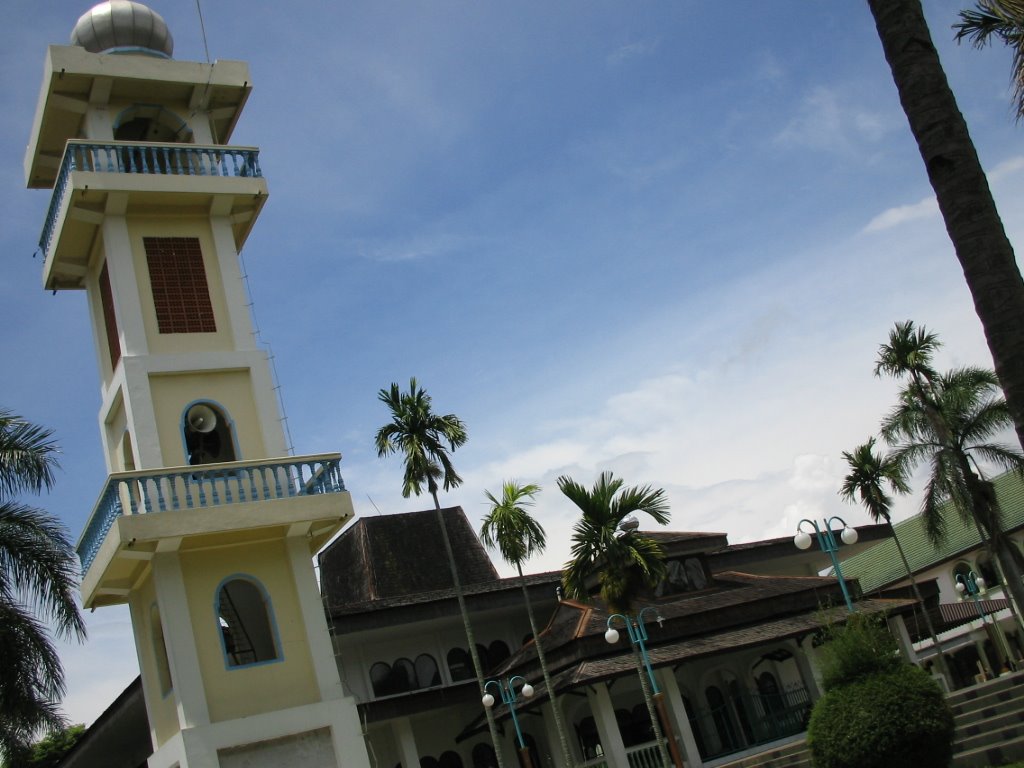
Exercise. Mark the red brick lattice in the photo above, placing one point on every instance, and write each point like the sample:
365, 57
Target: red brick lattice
181, 295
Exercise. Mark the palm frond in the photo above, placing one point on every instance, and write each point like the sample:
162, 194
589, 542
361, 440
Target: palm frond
1002, 20
28, 455
909, 351
509, 527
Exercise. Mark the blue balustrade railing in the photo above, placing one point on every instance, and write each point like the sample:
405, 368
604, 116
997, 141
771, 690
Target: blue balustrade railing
144, 157
205, 486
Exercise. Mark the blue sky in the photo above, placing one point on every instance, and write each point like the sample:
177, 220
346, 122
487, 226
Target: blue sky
659, 238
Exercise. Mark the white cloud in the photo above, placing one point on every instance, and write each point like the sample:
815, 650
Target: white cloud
831, 120
894, 217
633, 50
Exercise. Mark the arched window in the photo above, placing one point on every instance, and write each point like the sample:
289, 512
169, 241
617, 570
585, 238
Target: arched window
588, 738
245, 617
769, 693
209, 434
718, 708
429, 762
987, 570
484, 757
427, 673
380, 677
403, 676
460, 666
497, 652
961, 571
451, 759
163, 667
151, 122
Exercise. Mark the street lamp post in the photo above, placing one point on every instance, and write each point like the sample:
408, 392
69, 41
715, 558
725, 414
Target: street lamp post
972, 585
507, 692
637, 632
829, 545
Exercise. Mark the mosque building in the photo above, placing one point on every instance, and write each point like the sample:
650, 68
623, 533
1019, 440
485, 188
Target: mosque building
207, 527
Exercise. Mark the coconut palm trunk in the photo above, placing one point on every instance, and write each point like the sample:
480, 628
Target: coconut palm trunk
943, 666
466, 625
645, 686
961, 188
563, 742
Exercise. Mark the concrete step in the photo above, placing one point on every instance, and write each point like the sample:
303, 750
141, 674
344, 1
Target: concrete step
995, 721
964, 697
988, 708
990, 755
792, 755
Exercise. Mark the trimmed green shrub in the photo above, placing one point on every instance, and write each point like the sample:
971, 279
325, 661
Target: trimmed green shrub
883, 720
861, 647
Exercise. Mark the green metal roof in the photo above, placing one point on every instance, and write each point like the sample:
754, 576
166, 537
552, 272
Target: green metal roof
880, 565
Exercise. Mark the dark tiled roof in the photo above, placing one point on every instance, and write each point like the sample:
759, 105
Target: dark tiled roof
692, 648
576, 631
394, 556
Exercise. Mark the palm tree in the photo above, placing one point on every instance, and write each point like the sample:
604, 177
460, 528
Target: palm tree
625, 560
961, 189
511, 530
866, 481
38, 578
1003, 19
424, 439
949, 425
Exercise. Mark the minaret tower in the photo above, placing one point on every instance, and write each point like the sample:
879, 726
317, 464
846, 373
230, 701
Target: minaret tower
205, 526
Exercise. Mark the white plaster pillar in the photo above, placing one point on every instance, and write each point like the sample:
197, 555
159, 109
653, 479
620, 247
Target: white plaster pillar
607, 726
406, 741
319, 638
899, 628
677, 711
124, 282
182, 656
808, 670
551, 733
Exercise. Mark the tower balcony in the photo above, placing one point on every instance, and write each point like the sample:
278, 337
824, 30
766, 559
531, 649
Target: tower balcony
97, 179
140, 514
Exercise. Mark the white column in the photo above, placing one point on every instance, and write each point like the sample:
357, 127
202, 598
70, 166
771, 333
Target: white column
677, 711
124, 283
899, 628
182, 656
607, 726
406, 741
808, 670
551, 732
807, 661
317, 634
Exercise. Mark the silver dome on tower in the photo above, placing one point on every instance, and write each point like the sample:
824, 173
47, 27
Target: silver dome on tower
123, 26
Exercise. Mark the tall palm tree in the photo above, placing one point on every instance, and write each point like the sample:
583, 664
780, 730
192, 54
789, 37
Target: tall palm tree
512, 530
869, 474
1002, 19
625, 560
425, 440
949, 425
38, 578
961, 189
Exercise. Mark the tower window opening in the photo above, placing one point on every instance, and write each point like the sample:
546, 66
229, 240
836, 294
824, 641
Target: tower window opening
209, 438
245, 623
109, 318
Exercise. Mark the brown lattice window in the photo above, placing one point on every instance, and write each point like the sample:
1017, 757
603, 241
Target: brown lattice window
109, 318
181, 295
